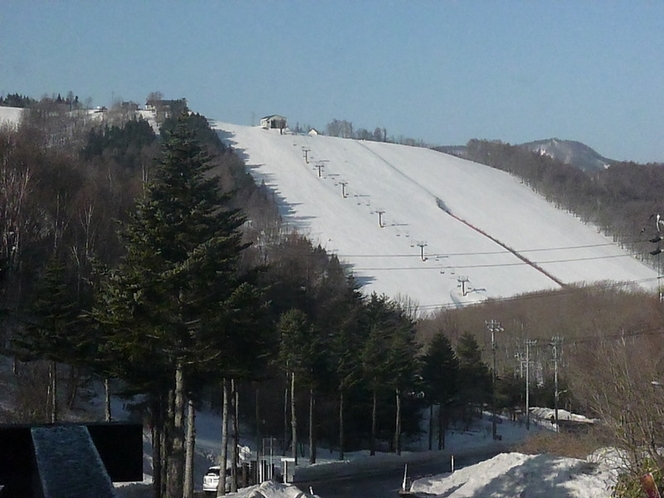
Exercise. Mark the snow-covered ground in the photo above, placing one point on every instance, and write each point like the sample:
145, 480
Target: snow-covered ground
508, 475
414, 222
515, 475
10, 115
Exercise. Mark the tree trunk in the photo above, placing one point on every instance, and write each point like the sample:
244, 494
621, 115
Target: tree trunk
293, 418
156, 421
372, 443
72, 388
430, 427
397, 425
341, 424
442, 425
223, 459
53, 392
107, 400
175, 478
156, 458
312, 427
286, 393
258, 428
236, 437
165, 455
189, 455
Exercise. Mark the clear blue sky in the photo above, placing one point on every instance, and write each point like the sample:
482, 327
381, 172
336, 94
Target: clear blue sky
442, 71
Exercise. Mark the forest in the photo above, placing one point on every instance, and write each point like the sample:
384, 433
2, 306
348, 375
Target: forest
150, 262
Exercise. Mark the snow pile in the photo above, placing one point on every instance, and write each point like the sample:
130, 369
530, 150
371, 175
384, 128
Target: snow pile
270, 489
527, 476
549, 414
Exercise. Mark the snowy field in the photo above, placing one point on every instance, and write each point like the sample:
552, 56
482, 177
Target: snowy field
10, 115
415, 222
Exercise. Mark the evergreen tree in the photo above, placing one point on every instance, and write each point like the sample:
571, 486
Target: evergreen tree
388, 359
299, 355
403, 364
51, 331
172, 305
346, 319
440, 371
474, 376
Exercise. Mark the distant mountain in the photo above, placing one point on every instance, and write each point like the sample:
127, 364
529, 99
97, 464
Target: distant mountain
570, 152
565, 151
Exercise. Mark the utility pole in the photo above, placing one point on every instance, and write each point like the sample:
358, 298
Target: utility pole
493, 327
656, 252
555, 342
528, 343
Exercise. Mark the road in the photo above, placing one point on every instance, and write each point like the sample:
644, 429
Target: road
386, 482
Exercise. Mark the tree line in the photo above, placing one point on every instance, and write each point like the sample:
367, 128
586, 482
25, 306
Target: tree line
156, 263
130, 256
16, 100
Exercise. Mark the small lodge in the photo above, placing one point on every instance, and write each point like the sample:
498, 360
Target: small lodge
273, 122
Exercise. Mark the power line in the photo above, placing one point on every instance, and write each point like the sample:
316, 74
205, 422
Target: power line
492, 265
546, 294
478, 253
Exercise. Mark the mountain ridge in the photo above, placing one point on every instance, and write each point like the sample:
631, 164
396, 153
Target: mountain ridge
570, 152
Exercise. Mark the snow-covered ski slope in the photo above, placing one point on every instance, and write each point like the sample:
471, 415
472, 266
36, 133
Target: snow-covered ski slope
381, 206
10, 115
482, 233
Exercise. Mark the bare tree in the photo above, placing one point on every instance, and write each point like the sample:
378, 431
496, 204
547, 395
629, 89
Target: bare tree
619, 378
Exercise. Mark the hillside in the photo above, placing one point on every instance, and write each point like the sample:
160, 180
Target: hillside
417, 223
566, 151
570, 152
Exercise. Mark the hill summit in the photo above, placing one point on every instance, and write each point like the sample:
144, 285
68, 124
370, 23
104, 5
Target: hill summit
570, 152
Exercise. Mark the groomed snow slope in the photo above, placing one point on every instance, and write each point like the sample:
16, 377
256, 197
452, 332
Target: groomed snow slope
482, 232
10, 115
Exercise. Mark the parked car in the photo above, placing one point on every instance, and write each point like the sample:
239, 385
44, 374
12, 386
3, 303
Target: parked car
211, 480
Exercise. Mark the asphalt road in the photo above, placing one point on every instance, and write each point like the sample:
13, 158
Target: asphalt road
386, 482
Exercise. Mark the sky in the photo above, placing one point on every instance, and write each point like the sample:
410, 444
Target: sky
441, 71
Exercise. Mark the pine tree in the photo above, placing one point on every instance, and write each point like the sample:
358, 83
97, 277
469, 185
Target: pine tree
297, 355
177, 305
440, 371
388, 359
51, 332
474, 375
346, 321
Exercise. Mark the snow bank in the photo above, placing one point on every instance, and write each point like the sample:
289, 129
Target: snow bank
527, 476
